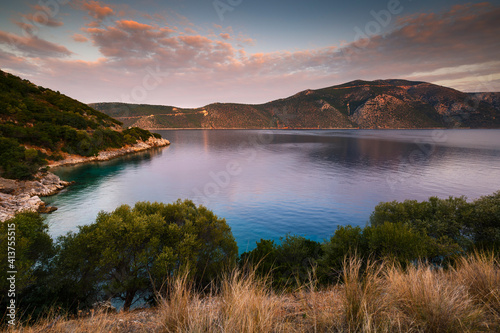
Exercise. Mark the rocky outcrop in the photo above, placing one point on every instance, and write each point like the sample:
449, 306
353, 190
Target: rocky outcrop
113, 153
24, 195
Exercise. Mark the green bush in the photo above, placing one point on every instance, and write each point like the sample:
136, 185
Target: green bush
346, 241
131, 251
18, 162
483, 222
28, 234
438, 218
396, 242
288, 263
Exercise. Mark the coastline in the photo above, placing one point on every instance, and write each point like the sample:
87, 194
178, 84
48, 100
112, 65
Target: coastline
24, 195
303, 128
109, 154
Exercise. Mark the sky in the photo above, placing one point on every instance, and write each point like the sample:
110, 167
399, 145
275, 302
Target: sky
192, 53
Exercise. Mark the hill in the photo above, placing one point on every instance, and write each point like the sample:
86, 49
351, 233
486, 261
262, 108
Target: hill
38, 125
356, 104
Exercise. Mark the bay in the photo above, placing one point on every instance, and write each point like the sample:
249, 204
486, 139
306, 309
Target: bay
269, 183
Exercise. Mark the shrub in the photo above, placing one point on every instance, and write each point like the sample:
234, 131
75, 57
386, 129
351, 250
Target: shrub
16, 162
27, 234
288, 262
131, 251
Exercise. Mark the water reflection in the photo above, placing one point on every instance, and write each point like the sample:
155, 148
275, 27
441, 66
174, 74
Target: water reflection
92, 172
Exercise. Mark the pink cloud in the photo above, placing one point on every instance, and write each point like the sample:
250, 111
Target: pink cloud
195, 41
79, 38
33, 46
127, 39
97, 10
93, 24
133, 25
225, 36
43, 15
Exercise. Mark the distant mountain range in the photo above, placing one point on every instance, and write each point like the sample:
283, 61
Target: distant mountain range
358, 104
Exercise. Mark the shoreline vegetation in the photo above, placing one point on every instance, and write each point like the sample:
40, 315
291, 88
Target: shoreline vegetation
429, 266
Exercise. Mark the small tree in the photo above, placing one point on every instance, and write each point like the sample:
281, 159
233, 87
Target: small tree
441, 219
287, 262
27, 249
483, 224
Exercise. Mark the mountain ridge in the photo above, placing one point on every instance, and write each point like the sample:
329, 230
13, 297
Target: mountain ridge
390, 103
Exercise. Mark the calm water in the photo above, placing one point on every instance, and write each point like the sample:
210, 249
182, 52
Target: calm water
269, 183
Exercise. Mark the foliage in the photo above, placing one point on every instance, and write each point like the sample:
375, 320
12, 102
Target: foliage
27, 234
452, 221
483, 223
18, 162
394, 242
378, 297
131, 251
39, 117
288, 262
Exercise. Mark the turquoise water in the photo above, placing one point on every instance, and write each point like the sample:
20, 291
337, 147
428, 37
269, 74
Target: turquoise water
269, 183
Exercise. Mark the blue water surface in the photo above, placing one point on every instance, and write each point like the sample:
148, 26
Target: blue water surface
270, 183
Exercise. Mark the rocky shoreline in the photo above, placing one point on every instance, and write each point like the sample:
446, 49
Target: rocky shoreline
24, 195
109, 154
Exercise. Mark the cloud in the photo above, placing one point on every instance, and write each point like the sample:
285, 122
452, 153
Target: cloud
79, 38
422, 45
225, 36
458, 48
127, 38
133, 25
97, 10
43, 16
33, 46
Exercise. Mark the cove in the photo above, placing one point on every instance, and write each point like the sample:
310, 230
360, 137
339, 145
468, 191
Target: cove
269, 183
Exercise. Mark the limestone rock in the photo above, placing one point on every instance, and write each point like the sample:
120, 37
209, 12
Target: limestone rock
24, 196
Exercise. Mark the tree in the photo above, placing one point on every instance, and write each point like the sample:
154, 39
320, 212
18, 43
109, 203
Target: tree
287, 262
441, 219
16, 161
25, 237
130, 251
396, 242
483, 224
347, 240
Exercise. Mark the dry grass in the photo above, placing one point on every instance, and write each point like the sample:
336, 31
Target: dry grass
135, 321
480, 276
371, 298
430, 303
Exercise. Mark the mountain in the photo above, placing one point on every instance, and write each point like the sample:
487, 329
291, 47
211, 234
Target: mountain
357, 104
38, 124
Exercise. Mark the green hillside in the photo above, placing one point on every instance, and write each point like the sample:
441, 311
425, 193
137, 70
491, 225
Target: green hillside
38, 124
